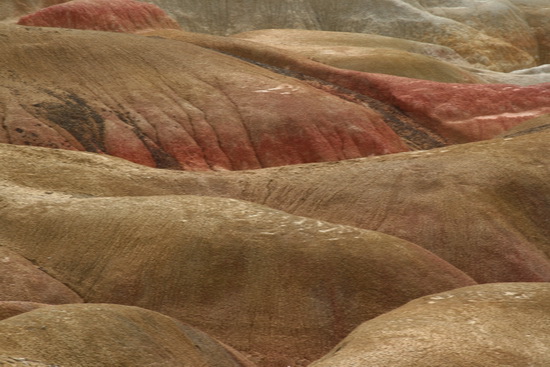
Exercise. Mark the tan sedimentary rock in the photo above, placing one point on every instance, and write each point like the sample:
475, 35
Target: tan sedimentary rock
277, 286
103, 15
108, 335
11, 10
411, 20
369, 53
21, 280
537, 15
461, 202
490, 325
13, 308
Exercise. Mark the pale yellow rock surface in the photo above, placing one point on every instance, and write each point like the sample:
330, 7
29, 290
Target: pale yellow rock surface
369, 53
396, 18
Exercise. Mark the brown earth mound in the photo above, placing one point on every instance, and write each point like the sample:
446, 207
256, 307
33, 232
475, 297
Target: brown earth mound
13, 308
456, 113
369, 53
102, 15
490, 325
11, 10
171, 104
483, 206
281, 287
21, 280
109, 335
493, 35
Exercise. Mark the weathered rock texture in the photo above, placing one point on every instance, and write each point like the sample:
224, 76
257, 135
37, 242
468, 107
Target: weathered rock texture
11, 10
102, 15
21, 280
13, 308
388, 55
476, 37
491, 34
18, 361
483, 206
455, 113
370, 53
537, 15
283, 288
109, 335
491, 325
171, 104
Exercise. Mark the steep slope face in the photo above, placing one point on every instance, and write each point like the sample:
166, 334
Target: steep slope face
491, 325
483, 207
109, 335
462, 112
172, 104
283, 288
20, 280
496, 18
102, 15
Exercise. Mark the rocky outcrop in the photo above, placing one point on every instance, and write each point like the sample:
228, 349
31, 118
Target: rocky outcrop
172, 104
280, 287
492, 325
102, 15
21, 280
108, 335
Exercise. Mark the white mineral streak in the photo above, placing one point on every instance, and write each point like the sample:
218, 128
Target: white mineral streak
280, 89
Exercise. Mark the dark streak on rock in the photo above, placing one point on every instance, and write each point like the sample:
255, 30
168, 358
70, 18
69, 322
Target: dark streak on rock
414, 135
75, 116
162, 159
528, 131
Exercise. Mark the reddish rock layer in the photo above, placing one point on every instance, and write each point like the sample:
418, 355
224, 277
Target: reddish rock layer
102, 15
456, 112
172, 104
